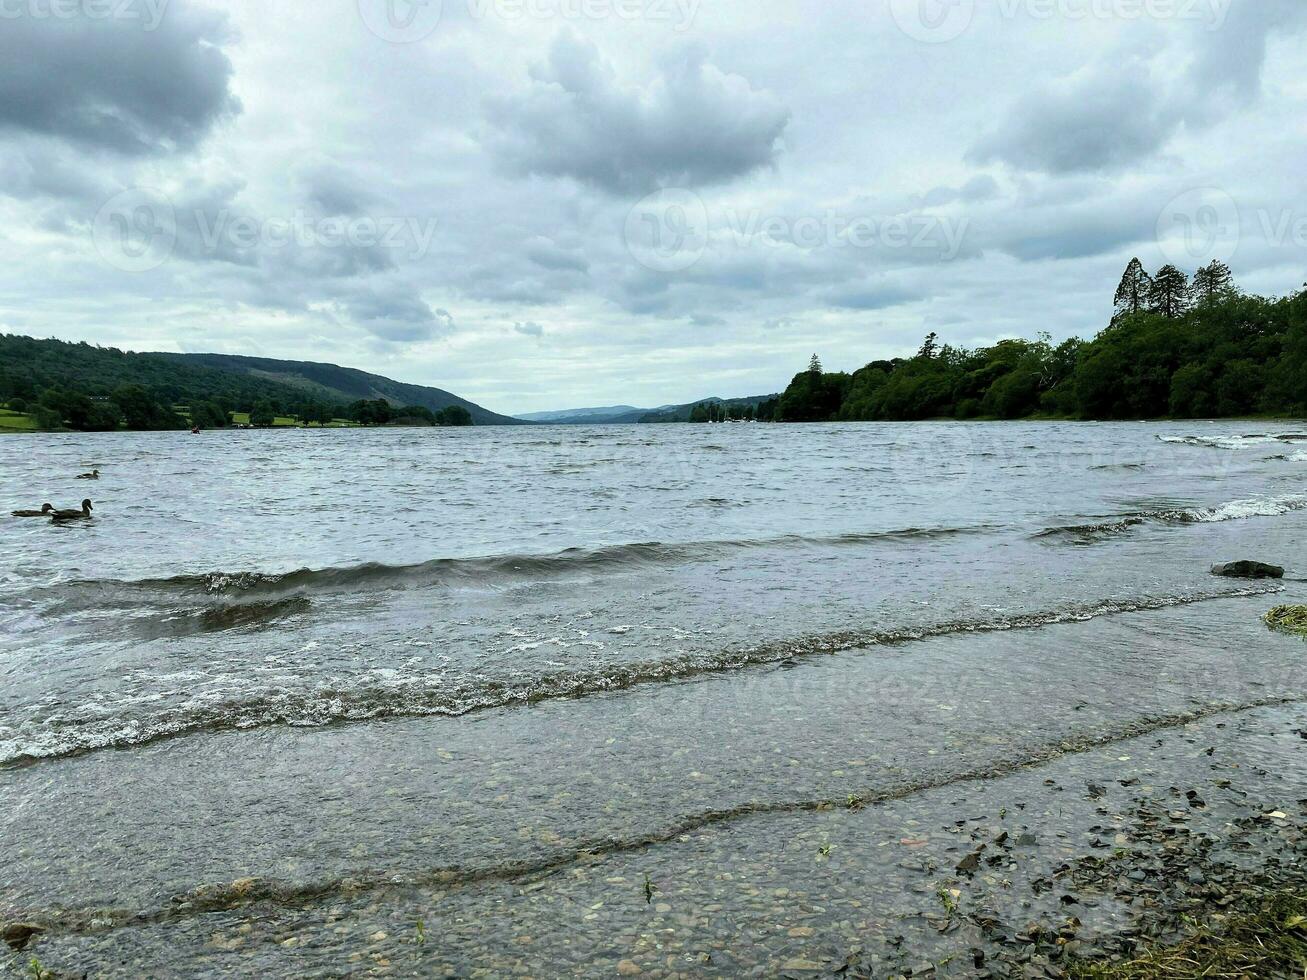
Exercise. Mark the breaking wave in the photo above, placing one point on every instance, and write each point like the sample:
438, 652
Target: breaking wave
1235, 510
1251, 441
398, 694
251, 586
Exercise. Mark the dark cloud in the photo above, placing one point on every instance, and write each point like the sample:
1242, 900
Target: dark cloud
547, 254
980, 188
112, 84
333, 190
872, 296
693, 125
1121, 110
397, 314
1226, 71
530, 329
1101, 119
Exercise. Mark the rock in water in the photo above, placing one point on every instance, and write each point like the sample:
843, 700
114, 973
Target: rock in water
1248, 569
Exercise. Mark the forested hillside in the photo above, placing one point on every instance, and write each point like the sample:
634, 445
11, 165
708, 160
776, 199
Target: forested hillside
52, 384
1175, 348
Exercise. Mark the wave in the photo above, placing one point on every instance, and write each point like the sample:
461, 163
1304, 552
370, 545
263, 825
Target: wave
396, 695
1235, 510
82, 594
1250, 441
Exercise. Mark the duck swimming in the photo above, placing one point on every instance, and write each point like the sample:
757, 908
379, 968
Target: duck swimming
46, 510
93, 475
72, 515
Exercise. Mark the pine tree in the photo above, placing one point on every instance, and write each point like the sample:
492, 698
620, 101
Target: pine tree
1170, 293
814, 365
1212, 282
930, 346
1133, 294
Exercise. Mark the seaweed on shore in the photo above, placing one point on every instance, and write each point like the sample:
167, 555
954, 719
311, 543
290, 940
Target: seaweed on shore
1288, 619
1269, 940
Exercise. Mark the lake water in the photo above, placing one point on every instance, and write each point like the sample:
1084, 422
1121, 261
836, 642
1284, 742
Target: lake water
331, 660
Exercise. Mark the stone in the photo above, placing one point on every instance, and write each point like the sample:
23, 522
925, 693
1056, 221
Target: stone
629, 968
18, 934
1248, 569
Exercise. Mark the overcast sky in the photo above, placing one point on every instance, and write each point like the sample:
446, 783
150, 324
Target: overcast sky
546, 204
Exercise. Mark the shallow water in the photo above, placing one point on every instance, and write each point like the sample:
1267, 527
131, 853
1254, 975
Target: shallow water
319, 657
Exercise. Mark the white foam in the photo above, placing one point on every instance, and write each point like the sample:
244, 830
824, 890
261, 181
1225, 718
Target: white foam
1238, 510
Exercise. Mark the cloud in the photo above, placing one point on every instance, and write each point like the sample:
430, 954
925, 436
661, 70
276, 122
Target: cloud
1100, 119
109, 84
548, 255
530, 329
1124, 108
693, 125
397, 314
333, 190
872, 296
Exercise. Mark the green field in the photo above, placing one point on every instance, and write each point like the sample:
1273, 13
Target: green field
16, 421
290, 421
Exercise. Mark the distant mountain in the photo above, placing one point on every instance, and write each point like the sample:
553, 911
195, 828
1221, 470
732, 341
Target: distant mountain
579, 415
341, 384
627, 415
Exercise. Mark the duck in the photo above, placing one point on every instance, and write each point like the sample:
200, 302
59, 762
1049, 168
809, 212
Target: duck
45, 511
93, 475
72, 515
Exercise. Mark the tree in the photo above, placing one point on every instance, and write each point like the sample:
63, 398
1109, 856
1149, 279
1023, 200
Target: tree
1169, 294
1132, 296
929, 347
1212, 282
814, 365
262, 415
454, 415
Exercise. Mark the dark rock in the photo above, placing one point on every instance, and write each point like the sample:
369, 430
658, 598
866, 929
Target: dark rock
1248, 569
19, 934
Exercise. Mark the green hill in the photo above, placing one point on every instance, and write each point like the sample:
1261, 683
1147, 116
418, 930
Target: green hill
342, 384
84, 386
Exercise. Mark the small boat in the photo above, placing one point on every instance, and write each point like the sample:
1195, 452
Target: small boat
45, 511
59, 516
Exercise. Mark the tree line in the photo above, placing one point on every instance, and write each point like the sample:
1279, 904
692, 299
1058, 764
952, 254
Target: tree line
96, 389
1176, 347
